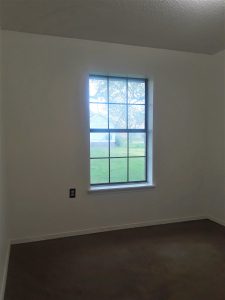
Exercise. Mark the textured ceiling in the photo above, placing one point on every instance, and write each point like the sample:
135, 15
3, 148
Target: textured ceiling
188, 25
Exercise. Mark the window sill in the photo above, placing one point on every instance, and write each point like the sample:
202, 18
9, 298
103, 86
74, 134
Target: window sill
120, 187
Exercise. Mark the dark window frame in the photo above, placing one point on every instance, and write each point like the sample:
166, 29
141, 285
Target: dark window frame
144, 130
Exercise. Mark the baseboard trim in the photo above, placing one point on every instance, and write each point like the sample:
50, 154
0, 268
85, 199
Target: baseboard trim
5, 272
216, 220
104, 229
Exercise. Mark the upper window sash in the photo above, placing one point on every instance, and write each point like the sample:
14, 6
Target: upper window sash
118, 103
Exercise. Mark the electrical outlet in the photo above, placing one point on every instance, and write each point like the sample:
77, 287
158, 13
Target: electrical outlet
73, 193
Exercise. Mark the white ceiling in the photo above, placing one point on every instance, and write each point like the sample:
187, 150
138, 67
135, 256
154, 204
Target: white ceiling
188, 25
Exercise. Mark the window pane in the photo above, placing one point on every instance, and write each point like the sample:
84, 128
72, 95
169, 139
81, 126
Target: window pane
99, 171
117, 90
98, 115
137, 169
137, 144
136, 92
118, 104
118, 144
99, 144
98, 89
136, 116
117, 116
118, 169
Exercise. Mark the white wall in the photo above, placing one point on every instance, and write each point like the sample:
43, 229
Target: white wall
215, 171
46, 123
3, 211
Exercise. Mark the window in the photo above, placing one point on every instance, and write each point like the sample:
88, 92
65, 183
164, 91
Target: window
118, 130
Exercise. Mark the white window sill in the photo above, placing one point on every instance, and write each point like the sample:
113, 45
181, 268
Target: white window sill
120, 187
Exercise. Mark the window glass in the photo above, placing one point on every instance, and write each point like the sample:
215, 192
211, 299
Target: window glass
118, 136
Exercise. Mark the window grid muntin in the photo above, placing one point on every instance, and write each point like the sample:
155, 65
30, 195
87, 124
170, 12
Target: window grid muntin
127, 130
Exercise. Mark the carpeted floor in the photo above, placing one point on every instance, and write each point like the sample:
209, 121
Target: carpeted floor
183, 261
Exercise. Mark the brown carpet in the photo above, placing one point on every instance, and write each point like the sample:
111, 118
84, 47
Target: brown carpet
183, 261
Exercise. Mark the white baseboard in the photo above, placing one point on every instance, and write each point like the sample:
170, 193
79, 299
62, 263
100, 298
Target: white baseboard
104, 229
2, 292
216, 220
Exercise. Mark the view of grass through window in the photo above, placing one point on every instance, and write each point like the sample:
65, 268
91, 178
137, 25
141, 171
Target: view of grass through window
118, 139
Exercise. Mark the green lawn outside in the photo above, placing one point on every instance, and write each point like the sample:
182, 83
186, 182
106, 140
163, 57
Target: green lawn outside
118, 166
